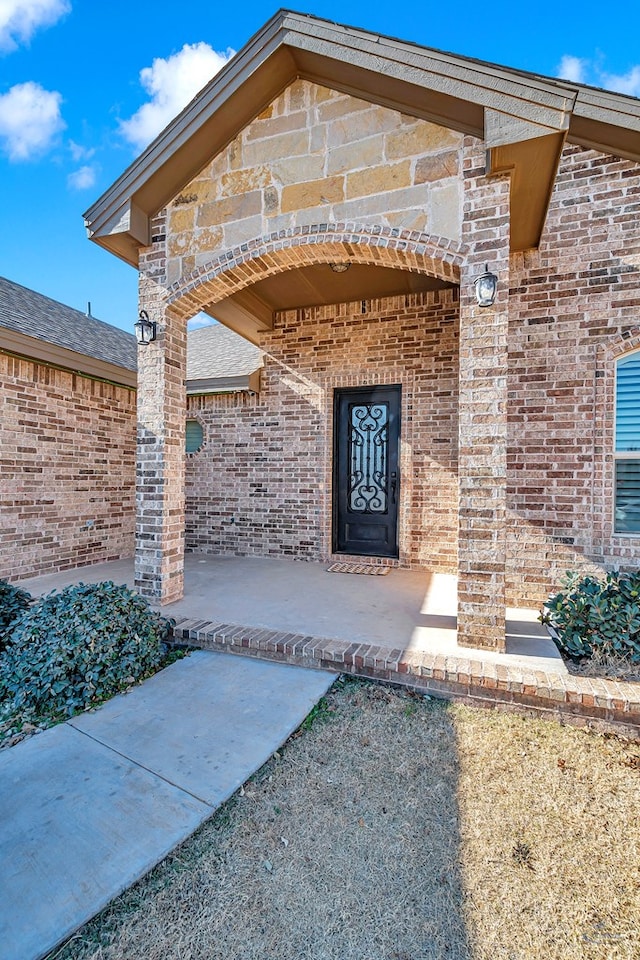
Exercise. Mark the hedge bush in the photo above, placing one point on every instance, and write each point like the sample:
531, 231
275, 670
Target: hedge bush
13, 603
78, 647
592, 615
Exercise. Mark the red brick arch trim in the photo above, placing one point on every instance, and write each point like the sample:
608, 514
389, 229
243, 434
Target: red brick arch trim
303, 246
622, 343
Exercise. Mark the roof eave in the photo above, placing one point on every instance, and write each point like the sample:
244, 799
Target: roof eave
247, 383
42, 351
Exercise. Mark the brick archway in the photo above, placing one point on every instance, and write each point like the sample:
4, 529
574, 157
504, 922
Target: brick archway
276, 253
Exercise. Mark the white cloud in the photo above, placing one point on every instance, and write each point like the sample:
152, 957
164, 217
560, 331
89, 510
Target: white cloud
580, 70
82, 179
78, 152
623, 83
19, 19
29, 120
572, 69
171, 84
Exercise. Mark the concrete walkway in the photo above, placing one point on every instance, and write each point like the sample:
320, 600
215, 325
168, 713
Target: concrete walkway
88, 807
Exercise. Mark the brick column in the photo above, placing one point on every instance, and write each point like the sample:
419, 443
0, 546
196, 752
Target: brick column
483, 416
159, 559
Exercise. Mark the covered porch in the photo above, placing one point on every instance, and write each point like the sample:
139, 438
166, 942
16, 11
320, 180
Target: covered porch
339, 214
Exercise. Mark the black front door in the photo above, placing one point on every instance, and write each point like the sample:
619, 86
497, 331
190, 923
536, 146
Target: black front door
365, 471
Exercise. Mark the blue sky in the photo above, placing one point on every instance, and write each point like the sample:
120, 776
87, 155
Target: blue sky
85, 84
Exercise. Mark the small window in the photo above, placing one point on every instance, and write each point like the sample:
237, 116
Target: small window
627, 447
194, 436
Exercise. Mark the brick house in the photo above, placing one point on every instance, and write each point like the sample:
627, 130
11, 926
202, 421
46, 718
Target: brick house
332, 196
67, 436
68, 428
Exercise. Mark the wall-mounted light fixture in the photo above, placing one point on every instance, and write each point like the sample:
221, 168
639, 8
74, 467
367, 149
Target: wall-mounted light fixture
486, 285
340, 267
145, 328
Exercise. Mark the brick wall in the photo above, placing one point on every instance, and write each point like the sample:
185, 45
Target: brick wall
483, 360
162, 398
67, 459
575, 307
261, 483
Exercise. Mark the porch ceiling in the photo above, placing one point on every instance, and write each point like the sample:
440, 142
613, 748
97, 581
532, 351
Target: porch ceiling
315, 286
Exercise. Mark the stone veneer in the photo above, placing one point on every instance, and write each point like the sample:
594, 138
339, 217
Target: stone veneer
67, 469
316, 155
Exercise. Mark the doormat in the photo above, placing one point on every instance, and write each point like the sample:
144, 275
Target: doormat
361, 568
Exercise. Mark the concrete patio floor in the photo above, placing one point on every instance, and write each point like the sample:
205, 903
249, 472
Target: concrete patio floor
409, 610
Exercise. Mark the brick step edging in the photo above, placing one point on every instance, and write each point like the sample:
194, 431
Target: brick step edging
608, 703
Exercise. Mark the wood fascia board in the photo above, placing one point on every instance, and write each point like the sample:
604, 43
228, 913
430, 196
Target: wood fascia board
128, 221
532, 165
41, 351
605, 121
605, 138
612, 109
488, 85
501, 129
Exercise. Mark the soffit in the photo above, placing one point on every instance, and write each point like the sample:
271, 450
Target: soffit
250, 312
319, 285
464, 94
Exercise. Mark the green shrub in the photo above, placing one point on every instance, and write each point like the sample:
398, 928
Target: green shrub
13, 602
592, 615
78, 647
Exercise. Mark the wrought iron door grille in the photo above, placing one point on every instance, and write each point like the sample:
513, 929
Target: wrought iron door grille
368, 456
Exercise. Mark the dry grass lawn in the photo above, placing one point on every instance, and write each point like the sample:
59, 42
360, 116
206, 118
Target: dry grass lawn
397, 828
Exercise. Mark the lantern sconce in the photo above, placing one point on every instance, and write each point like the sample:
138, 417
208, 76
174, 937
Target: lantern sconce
340, 267
145, 328
486, 285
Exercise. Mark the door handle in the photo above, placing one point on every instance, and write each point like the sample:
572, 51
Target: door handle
394, 483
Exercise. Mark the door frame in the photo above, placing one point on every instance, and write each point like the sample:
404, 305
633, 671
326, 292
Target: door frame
354, 390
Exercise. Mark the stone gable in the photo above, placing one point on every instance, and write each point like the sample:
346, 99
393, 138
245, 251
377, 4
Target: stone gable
314, 156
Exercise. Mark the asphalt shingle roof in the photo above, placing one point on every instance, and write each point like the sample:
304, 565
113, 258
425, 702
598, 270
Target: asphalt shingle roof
38, 316
214, 352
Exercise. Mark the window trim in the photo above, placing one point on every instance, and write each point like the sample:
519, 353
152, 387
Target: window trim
190, 453
621, 455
